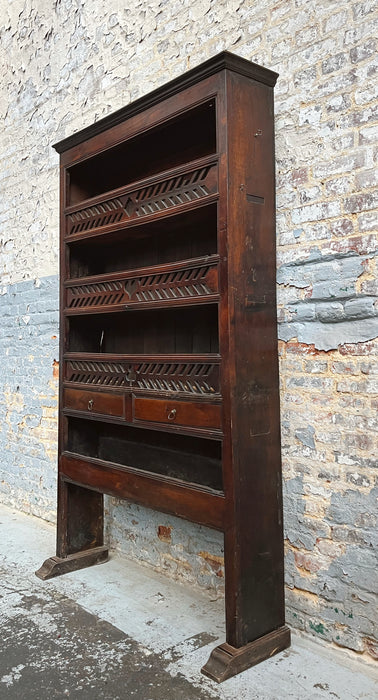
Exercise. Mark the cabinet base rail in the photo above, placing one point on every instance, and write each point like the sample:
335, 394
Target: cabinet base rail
226, 661
56, 566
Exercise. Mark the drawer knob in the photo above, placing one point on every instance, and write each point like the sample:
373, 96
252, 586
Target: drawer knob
172, 414
90, 404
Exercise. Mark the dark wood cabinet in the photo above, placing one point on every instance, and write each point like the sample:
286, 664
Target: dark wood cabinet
169, 377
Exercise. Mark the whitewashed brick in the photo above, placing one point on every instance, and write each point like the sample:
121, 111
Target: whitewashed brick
338, 103
367, 179
334, 63
67, 65
368, 134
310, 115
364, 51
316, 212
339, 185
368, 94
368, 221
337, 20
361, 9
340, 164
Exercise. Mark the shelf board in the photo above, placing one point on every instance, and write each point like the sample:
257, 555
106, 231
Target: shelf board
130, 306
209, 358
215, 398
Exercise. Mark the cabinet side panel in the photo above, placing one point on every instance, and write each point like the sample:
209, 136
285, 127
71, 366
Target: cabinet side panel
80, 510
254, 543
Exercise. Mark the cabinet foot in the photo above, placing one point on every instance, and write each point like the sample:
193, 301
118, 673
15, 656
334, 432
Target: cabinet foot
56, 566
226, 661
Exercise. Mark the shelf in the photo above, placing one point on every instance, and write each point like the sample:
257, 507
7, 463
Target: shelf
154, 331
194, 460
185, 283
174, 140
188, 374
200, 505
177, 189
179, 237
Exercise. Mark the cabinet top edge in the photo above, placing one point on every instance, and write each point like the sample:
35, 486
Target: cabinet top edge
222, 61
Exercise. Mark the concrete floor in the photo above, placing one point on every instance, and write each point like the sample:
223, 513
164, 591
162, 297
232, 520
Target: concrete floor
119, 631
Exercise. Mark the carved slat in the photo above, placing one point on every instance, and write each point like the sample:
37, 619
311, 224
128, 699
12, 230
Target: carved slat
165, 193
160, 287
159, 375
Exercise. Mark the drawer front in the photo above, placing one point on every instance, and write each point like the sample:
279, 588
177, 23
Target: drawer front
93, 402
184, 413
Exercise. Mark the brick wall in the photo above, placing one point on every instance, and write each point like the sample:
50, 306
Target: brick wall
329, 429
28, 395
69, 62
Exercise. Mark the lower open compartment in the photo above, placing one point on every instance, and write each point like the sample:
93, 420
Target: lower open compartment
192, 460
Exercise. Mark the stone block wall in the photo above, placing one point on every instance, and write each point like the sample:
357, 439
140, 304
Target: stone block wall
66, 63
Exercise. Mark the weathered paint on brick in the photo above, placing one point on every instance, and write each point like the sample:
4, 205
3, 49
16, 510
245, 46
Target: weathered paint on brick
28, 397
184, 550
68, 63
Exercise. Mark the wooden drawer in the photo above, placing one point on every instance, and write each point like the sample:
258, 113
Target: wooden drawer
93, 402
185, 413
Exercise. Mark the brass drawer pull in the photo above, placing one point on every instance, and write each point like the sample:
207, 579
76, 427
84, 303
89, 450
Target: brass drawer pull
90, 404
172, 414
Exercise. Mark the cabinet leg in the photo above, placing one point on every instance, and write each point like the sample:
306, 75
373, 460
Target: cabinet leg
80, 528
255, 628
226, 661
56, 566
